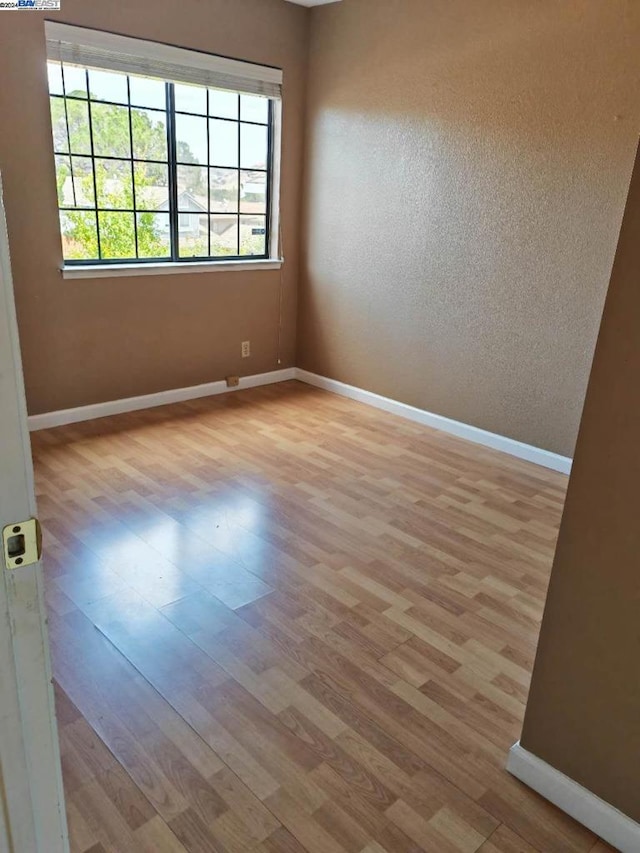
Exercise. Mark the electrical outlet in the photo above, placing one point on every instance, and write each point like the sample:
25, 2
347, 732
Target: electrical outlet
246, 349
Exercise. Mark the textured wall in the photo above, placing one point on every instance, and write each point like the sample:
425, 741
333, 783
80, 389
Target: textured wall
467, 165
584, 702
93, 340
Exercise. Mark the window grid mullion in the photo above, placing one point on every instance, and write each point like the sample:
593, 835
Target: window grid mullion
173, 171
136, 210
153, 162
66, 121
158, 110
93, 163
133, 171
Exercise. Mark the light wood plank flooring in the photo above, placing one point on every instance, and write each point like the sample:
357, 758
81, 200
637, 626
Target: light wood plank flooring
282, 621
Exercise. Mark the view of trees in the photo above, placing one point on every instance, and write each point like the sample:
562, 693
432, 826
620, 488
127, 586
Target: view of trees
141, 134
113, 178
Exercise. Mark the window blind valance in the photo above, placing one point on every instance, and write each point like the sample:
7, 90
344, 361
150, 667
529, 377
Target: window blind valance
96, 49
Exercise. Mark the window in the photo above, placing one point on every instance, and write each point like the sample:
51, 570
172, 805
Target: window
152, 168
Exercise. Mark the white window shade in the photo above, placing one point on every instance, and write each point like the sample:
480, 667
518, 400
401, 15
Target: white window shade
96, 49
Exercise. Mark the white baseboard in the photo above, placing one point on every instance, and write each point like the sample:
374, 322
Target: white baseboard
470, 433
149, 401
606, 821
178, 395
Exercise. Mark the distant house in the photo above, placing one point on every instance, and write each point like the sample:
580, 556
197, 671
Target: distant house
192, 218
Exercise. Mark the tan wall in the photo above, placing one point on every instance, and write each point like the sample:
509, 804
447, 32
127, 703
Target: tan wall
584, 703
467, 166
94, 340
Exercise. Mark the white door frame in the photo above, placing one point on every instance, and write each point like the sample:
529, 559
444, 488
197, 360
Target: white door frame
32, 813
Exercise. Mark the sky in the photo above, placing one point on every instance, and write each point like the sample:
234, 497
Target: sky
190, 129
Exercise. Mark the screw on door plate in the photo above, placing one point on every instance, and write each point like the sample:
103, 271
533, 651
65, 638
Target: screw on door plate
22, 543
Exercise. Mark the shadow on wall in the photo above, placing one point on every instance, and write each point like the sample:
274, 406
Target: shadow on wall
466, 176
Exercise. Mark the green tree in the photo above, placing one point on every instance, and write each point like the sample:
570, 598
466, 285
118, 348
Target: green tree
113, 179
108, 184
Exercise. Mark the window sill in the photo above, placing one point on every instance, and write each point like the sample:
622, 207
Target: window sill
130, 270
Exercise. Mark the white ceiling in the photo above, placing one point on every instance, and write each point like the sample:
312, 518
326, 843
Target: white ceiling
313, 2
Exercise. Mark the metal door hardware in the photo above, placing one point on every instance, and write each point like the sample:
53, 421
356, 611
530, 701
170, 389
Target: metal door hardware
22, 543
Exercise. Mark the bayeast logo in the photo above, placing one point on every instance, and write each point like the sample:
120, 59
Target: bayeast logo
34, 5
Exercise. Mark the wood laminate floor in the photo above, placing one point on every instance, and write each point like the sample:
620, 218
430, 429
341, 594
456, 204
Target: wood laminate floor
282, 621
